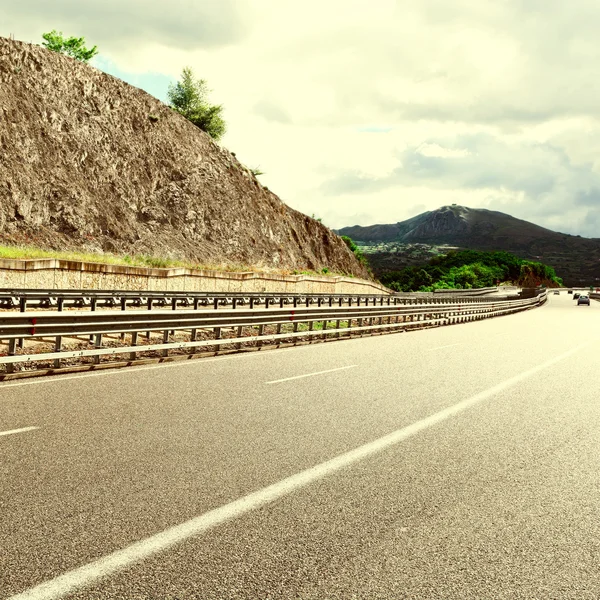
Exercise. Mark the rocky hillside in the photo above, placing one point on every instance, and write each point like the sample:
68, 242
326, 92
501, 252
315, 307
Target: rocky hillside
575, 259
89, 162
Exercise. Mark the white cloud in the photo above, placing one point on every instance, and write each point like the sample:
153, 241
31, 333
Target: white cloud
435, 150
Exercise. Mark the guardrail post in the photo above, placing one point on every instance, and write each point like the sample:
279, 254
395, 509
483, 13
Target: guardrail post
98, 345
123, 307
239, 335
217, 337
260, 332
22, 308
134, 336
165, 351
57, 348
12, 350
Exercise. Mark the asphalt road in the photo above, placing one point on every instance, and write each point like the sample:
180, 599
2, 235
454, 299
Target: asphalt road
459, 462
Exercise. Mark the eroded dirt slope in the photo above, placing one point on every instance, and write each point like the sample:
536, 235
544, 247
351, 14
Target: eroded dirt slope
90, 162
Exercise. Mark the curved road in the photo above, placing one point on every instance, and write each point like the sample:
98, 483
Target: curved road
459, 462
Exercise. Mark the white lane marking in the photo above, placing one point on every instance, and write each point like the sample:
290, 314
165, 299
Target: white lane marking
440, 347
134, 369
22, 430
311, 374
84, 576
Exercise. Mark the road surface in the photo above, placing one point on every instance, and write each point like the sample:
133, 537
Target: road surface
458, 462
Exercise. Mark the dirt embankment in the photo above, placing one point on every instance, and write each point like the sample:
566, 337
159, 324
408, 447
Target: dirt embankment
90, 162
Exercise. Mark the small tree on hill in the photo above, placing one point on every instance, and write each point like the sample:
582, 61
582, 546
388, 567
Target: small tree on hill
189, 97
73, 47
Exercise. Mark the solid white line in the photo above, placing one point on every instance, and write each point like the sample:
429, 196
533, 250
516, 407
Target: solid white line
22, 430
440, 347
311, 374
86, 575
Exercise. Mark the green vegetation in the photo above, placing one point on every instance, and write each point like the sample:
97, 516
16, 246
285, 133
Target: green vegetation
470, 269
73, 47
139, 260
189, 97
356, 250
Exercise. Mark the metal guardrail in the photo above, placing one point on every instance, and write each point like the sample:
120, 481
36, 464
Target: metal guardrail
24, 299
226, 327
467, 292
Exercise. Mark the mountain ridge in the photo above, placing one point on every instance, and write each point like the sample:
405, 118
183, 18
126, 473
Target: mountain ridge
575, 259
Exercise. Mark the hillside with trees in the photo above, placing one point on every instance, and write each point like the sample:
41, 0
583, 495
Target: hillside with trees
575, 258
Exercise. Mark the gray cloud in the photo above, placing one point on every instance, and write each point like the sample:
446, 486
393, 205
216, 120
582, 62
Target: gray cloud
532, 168
510, 63
588, 198
114, 24
272, 112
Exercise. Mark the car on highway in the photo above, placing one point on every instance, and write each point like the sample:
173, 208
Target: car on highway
583, 300
556, 292
569, 291
576, 295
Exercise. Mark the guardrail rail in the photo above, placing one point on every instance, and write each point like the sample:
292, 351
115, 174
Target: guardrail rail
56, 299
130, 333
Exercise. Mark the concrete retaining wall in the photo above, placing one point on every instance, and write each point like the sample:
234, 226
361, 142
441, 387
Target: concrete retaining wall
65, 274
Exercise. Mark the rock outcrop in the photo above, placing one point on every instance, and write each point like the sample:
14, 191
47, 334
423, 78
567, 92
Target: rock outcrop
88, 162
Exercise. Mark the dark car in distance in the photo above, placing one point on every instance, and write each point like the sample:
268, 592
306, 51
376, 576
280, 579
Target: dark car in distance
583, 300
576, 295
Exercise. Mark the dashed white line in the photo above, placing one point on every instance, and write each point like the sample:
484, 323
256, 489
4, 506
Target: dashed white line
134, 369
84, 576
311, 374
22, 430
441, 347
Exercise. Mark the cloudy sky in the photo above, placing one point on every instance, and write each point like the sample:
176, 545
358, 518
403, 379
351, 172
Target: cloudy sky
372, 112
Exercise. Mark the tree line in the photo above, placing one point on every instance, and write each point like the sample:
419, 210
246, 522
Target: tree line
467, 269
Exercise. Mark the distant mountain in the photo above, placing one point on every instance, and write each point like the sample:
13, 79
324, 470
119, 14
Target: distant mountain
575, 259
